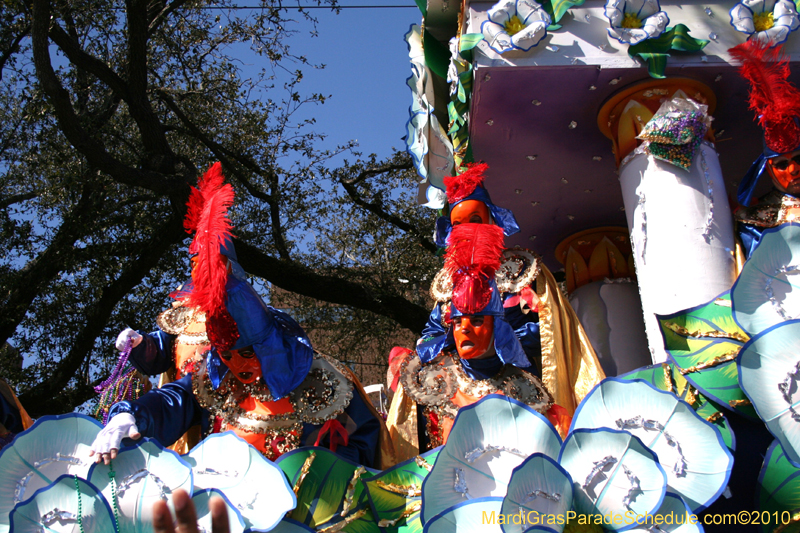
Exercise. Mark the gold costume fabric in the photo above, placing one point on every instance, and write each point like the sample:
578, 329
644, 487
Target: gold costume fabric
570, 368
402, 424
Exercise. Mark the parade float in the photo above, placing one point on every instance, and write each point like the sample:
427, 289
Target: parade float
621, 138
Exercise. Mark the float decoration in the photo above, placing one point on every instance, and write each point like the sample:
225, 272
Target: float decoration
655, 51
426, 140
226, 462
142, 475
515, 25
703, 342
765, 294
66, 504
460, 76
767, 21
539, 486
52, 447
395, 494
557, 9
330, 491
488, 440
667, 377
778, 489
613, 472
633, 21
769, 374
670, 428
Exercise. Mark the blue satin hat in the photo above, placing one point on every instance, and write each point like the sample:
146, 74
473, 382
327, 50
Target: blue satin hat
281, 345
506, 344
502, 217
753, 176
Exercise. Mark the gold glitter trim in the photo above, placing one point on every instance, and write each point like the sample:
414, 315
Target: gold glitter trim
691, 395
338, 526
351, 491
528, 269
304, 472
724, 358
739, 403
409, 491
422, 463
794, 518
713, 418
411, 509
680, 330
668, 377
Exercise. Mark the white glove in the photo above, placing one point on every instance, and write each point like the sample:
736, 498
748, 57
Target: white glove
107, 442
123, 337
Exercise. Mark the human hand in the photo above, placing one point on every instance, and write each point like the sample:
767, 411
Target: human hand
106, 444
123, 337
186, 515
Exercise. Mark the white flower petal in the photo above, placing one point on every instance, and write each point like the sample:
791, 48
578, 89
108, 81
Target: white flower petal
790, 21
785, 14
529, 12
773, 36
530, 36
649, 8
628, 35
496, 37
655, 25
502, 11
742, 19
757, 6
634, 6
614, 12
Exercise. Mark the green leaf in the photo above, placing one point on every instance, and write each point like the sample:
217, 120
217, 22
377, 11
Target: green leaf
707, 335
677, 384
470, 41
389, 505
557, 8
322, 492
656, 51
778, 490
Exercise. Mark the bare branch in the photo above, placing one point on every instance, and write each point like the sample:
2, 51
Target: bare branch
39, 399
12, 49
298, 278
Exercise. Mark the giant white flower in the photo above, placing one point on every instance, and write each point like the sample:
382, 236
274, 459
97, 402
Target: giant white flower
515, 25
769, 21
633, 21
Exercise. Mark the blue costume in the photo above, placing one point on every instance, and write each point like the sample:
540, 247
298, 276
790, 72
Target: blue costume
209, 395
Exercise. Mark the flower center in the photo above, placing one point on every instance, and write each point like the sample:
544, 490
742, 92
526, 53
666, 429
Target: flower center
514, 25
763, 21
630, 20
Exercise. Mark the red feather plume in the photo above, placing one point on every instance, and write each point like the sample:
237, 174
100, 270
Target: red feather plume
462, 185
774, 99
208, 216
472, 258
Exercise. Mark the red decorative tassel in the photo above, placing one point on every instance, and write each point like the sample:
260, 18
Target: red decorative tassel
338, 435
774, 99
461, 186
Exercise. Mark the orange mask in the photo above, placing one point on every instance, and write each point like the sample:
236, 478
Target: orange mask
473, 335
785, 172
243, 363
473, 211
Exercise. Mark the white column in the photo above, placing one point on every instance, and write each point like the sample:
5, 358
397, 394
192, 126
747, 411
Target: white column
681, 232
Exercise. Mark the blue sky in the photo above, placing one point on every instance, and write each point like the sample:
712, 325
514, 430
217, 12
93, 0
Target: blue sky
367, 67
